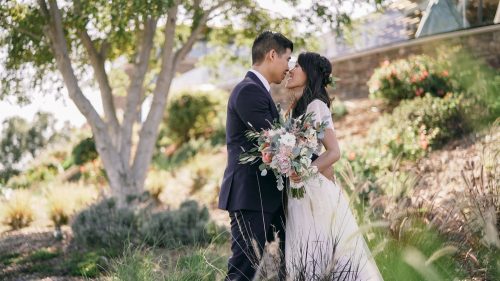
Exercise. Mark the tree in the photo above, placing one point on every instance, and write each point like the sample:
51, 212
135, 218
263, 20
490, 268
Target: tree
13, 142
19, 137
73, 37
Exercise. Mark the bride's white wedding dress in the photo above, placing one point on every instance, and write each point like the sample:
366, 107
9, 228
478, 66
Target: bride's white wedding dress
323, 241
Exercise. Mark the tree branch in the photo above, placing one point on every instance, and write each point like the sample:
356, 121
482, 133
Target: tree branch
136, 86
44, 9
104, 48
54, 31
24, 30
184, 50
149, 129
97, 62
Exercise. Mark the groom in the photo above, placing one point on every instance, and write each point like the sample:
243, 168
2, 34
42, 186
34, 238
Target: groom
254, 203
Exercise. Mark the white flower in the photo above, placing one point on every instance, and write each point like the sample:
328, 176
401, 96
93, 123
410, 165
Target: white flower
263, 173
288, 139
312, 145
306, 161
275, 132
314, 169
302, 170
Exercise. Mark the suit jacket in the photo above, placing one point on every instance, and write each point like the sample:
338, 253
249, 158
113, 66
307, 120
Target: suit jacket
243, 188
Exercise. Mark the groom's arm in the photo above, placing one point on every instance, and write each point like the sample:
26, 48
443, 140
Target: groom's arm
252, 106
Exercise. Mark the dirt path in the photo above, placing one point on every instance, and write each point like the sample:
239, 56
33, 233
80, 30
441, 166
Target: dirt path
33, 254
362, 113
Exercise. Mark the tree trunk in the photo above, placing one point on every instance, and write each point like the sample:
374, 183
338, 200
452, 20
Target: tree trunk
123, 184
114, 140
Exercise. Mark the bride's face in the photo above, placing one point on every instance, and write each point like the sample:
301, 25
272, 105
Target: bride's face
297, 78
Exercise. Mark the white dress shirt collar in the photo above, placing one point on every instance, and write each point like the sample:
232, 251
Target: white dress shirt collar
262, 79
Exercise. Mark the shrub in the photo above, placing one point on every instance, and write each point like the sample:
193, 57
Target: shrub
184, 226
34, 175
84, 152
21, 180
409, 78
6, 174
478, 81
182, 154
193, 115
338, 109
418, 125
18, 211
414, 128
104, 225
59, 213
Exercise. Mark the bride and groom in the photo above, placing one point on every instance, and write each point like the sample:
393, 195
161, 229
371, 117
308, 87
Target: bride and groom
318, 236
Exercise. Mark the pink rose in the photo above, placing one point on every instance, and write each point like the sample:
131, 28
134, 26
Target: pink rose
267, 157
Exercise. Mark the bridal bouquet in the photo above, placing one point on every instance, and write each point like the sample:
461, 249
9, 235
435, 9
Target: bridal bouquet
285, 148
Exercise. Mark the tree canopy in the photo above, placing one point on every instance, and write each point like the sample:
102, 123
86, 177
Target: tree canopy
56, 45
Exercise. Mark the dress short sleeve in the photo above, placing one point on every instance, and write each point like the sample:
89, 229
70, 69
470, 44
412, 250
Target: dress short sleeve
321, 112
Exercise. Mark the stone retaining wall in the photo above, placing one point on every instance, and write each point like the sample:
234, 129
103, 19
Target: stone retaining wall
356, 69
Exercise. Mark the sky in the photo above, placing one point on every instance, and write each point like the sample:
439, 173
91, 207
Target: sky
65, 110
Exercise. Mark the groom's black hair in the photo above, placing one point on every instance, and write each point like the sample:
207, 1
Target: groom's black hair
267, 41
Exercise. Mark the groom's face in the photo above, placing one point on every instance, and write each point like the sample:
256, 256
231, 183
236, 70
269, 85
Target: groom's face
279, 65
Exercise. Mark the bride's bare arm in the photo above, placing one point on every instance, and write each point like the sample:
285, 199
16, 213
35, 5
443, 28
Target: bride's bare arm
332, 154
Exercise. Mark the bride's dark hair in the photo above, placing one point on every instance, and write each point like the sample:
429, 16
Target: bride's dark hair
317, 69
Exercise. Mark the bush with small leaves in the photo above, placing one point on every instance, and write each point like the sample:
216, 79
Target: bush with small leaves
338, 109
105, 225
421, 124
84, 152
184, 226
33, 176
410, 78
414, 128
191, 115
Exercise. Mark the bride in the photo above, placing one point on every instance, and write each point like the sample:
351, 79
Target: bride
323, 241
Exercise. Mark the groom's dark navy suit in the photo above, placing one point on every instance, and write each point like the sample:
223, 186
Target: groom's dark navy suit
255, 205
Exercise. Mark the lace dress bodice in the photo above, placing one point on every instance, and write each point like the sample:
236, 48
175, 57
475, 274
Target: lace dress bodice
321, 113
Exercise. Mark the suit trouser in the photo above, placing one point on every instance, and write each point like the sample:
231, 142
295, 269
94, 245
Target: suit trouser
249, 232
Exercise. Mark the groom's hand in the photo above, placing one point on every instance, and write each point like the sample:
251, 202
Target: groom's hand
294, 177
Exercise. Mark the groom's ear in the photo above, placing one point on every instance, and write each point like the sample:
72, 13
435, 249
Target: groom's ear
272, 54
